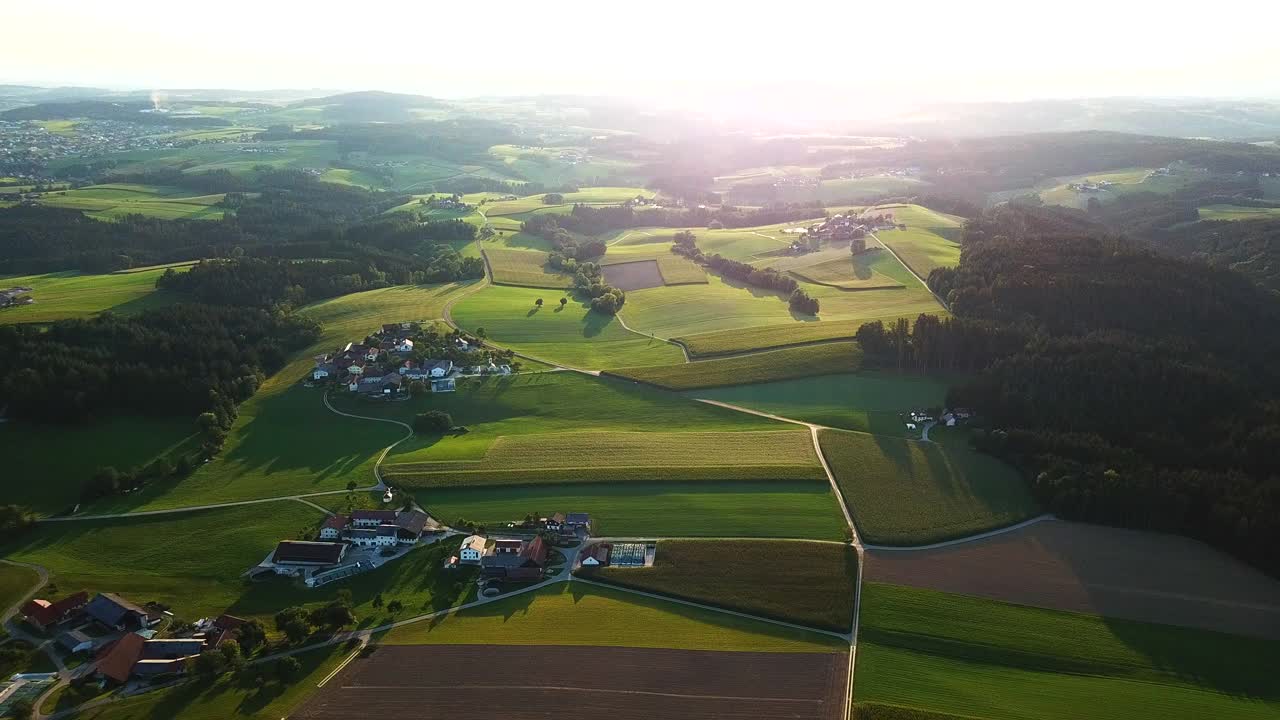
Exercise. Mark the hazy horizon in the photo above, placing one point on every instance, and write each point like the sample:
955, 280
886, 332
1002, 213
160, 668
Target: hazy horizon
662, 51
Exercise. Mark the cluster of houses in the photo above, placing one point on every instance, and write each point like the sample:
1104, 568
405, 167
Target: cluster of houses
386, 364
15, 296
378, 529
949, 418
446, 202
1088, 186
514, 559
120, 636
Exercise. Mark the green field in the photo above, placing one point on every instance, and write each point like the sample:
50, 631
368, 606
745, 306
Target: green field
736, 340
242, 695
806, 583
577, 614
993, 660
526, 268
16, 583
574, 335
1238, 212
593, 457
70, 294
113, 201
42, 475
763, 367
870, 270
667, 509
675, 270
930, 240
868, 401
907, 492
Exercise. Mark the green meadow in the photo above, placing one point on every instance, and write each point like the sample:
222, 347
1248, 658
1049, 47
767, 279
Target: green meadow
908, 492
578, 614
870, 401
1238, 212
986, 659
931, 239
526, 268
573, 335
762, 367
71, 294
768, 509
112, 201
16, 583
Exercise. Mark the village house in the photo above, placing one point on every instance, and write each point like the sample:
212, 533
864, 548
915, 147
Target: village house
411, 524
444, 385
116, 613
439, 368
324, 371
596, 555
472, 549
372, 518
382, 536
529, 564
578, 520
553, 523
42, 614
132, 655
404, 346
503, 546
333, 526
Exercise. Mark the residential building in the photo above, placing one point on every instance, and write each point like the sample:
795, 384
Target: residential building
578, 520
42, 614
444, 385
527, 565
332, 527
411, 524
404, 346
440, 368
116, 660
553, 523
324, 371
473, 549
596, 555
382, 536
372, 518
116, 613
303, 553
504, 546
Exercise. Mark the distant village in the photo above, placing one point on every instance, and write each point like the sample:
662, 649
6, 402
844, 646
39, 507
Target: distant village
14, 296
847, 227
406, 358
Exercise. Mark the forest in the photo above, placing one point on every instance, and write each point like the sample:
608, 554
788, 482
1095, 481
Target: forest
1134, 388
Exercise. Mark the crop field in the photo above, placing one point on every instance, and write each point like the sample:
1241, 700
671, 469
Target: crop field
634, 275
70, 294
669, 509
763, 367
868, 401
1101, 570
980, 658
761, 337
525, 267
723, 304
107, 202
905, 492
809, 584
574, 335
870, 270
623, 683
673, 269
622, 456
1238, 212
236, 695
40, 451
579, 614
930, 240
165, 557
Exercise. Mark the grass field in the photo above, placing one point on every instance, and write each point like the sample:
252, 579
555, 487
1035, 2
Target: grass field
930, 240
48, 479
240, 695
1238, 212
867, 401
15, 584
574, 335
676, 270
905, 492
761, 367
621, 457
70, 294
527, 268
809, 584
986, 659
668, 509
581, 615
873, 269
112, 201
165, 557
760, 337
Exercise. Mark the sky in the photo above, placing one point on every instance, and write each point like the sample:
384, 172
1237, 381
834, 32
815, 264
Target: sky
846, 53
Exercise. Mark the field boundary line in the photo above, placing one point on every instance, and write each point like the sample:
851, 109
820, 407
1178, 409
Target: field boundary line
966, 539
911, 270
651, 336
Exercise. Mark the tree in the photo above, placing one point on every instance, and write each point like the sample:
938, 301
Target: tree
417, 388
552, 199
432, 421
337, 614
352, 485
288, 668
564, 301
480, 333
538, 302
21, 709
210, 664
295, 623
377, 600
15, 520
858, 245
231, 654
251, 636
395, 606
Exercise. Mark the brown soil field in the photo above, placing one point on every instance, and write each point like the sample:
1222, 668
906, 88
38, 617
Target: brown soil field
488, 681
1096, 569
637, 275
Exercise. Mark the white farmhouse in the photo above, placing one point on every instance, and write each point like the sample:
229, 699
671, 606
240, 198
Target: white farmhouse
404, 346
472, 549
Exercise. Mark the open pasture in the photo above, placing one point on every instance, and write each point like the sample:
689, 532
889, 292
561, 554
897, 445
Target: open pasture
869, 401
985, 659
71, 294
762, 367
574, 335
929, 241
808, 583
1102, 570
113, 201
1238, 212
765, 508
622, 456
585, 615
526, 268
672, 269
436, 682
906, 492
873, 269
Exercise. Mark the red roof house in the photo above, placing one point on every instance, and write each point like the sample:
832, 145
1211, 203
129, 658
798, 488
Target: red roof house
42, 614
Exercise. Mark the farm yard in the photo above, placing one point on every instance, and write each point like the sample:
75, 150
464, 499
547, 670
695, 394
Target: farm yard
1100, 570
762, 367
907, 492
439, 682
980, 658
805, 583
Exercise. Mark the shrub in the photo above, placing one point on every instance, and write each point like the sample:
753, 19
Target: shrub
432, 421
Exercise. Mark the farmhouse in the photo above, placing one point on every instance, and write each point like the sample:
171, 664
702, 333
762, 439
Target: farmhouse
578, 520
597, 555
472, 549
411, 523
303, 553
332, 527
439, 368
116, 613
444, 385
372, 518
528, 564
42, 614
134, 656
324, 371
382, 536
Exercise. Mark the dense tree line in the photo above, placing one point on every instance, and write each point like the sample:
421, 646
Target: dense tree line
1134, 388
180, 360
